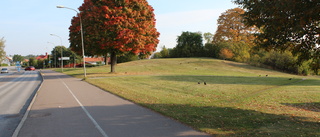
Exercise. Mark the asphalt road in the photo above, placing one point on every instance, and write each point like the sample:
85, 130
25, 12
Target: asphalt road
68, 107
16, 92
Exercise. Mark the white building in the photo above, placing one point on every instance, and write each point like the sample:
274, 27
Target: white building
7, 61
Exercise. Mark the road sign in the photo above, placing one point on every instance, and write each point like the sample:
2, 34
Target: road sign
65, 58
18, 64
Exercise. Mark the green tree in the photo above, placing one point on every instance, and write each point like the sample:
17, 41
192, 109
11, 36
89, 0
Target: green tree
116, 27
33, 62
156, 55
30, 56
241, 51
292, 24
16, 58
164, 52
315, 64
190, 44
66, 52
283, 61
208, 37
2, 52
212, 50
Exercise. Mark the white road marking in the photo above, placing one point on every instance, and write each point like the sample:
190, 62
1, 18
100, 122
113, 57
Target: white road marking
86, 111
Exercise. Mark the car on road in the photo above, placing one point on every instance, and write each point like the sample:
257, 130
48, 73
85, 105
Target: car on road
30, 68
4, 70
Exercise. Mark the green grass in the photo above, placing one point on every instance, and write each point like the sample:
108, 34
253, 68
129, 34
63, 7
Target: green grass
238, 100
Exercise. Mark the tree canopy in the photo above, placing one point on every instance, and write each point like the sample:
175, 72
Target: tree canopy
208, 37
66, 52
293, 24
2, 52
17, 57
233, 36
189, 44
115, 27
232, 29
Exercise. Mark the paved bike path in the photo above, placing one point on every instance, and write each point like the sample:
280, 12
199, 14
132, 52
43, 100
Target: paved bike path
67, 107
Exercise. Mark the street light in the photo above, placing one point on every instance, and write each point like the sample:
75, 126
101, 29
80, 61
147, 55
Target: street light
82, 43
55, 54
61, 50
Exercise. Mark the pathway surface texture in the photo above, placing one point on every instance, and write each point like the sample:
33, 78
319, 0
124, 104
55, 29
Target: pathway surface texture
68, 107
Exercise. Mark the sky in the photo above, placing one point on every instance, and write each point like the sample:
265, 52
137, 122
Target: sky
26, 25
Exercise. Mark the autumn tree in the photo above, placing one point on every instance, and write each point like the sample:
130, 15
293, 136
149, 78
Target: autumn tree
189, 44
293, 24
225, 53
232, 29
115, 27
2, 52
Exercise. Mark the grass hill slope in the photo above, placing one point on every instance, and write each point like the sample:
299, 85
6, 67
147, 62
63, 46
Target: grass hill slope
219, 97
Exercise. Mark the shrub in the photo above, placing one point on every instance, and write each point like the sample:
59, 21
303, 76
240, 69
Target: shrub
286, 62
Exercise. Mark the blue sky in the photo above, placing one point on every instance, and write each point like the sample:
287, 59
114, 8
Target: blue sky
26, 25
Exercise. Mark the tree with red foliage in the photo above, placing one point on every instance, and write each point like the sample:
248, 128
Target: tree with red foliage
115, 27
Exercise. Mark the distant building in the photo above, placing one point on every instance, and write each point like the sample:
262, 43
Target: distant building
7, 60
42, 57
95, 60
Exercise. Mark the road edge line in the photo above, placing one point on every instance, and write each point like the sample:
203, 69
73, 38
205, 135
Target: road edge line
24, 118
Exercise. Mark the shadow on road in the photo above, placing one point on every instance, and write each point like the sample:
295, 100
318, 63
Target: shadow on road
66, 122
222, 121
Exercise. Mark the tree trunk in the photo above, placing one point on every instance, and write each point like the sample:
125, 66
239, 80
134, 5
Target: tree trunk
106, 59
113, 62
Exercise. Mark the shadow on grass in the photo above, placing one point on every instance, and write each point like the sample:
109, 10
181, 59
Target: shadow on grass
313, 106
246, 66
238, 122
240, 80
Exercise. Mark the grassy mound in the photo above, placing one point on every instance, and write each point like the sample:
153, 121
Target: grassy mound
219, 97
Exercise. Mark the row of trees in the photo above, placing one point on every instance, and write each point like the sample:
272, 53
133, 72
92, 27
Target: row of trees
51, 60
247, 36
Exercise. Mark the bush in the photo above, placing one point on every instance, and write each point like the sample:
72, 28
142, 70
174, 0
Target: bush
304, 68
284, 61
156, 55
212, 50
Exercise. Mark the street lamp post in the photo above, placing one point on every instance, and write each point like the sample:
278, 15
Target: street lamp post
82, 43
55, 55
61, 51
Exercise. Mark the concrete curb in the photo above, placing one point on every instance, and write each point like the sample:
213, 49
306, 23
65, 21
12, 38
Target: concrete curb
24, 118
